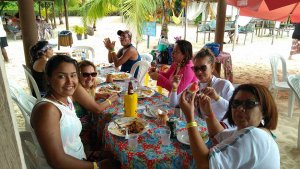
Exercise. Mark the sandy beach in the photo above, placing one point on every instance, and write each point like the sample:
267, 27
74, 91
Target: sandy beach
250, 64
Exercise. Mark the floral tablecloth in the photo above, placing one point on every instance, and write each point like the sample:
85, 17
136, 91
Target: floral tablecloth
150, 153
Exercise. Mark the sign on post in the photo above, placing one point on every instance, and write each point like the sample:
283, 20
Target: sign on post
149, 29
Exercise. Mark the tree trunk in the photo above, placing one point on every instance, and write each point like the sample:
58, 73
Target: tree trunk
66, 13
164, 25
60, 17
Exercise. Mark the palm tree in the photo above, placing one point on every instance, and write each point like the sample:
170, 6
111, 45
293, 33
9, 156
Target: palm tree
135, 12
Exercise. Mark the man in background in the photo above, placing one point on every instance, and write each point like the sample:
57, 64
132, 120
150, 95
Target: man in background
3, 41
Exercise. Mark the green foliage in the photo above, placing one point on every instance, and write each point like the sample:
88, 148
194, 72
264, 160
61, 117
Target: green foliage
79, 29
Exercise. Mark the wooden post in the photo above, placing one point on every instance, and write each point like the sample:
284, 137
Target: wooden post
66, 14
11, 155
219, 36
29, 29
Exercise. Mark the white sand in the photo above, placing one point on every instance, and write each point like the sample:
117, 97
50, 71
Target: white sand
250, 64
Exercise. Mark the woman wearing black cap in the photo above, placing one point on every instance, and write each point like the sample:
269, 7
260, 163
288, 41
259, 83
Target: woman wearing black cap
126, 56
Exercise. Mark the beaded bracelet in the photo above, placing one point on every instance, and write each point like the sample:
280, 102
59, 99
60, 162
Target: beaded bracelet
191, 124
174, 89
109, 101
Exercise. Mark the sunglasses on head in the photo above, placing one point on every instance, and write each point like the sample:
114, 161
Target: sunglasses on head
203, 68
94, 74
247, 104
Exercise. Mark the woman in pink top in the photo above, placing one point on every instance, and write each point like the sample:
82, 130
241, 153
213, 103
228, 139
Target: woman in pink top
181, 66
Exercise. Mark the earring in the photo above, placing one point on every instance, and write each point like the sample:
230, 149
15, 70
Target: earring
262, 122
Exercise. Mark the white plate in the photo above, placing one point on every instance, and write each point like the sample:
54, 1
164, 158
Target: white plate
145, 92
121, 76
107, 89
113, 128
183, 137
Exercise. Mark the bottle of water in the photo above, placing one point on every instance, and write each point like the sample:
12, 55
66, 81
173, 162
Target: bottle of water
83, 55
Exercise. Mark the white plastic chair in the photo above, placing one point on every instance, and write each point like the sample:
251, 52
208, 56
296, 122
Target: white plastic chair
147, 57
143, 69
89, 52
32, 82
281, 85
26, 102
294, 83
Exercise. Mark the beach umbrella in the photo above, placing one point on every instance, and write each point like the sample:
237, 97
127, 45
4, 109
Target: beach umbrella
276, 10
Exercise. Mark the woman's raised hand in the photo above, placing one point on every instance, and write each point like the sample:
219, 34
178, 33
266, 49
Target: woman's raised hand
204, 102
211, 92
110, 45
187, 106
176, 81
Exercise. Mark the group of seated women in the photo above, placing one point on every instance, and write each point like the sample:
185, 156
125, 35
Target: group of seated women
64, 120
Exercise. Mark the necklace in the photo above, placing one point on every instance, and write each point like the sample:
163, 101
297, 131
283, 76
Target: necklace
62, 103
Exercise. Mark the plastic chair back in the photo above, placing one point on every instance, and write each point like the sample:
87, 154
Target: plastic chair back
89, 52
32, 82
143, 69
146, 57
294, 83
274, 61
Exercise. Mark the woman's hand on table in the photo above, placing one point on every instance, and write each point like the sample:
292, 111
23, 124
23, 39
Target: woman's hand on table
110, 45
113, 97
187, 106
153, 75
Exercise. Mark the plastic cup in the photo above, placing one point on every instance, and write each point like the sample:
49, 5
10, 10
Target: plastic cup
132, 141
165, 136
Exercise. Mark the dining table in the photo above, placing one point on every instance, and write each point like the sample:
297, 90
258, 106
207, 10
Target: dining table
149, 151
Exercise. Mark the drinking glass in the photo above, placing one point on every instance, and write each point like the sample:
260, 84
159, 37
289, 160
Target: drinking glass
132, 141
165, 134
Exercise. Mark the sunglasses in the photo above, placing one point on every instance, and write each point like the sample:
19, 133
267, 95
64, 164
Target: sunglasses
203, 68
247, 104
94, 74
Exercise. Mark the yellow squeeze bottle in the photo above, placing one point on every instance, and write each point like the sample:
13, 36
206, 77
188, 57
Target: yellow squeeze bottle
130, 102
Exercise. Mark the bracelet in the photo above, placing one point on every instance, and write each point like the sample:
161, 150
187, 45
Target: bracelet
174, 89
218, 98
95, 165
210, 115
112, 50
109, 101
191, 124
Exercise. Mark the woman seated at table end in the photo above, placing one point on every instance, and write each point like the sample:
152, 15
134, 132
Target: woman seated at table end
87, 79
253, 111
219, 90
181, 66
55, 123
126, 56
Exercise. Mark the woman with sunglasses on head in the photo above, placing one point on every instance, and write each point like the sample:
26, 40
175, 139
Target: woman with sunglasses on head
219, 90
55, 123
253, 111
40, 53
181, 66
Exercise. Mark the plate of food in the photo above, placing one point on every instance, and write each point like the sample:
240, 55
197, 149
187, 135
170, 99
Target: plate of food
144, 92
154, 112
134, 125
183, 137
121, 76
109, 88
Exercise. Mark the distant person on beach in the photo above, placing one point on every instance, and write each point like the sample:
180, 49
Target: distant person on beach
296, 41
126, 56
3, 41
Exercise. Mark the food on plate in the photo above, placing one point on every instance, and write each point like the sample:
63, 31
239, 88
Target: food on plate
145, 92
120, 76
134, 127
109, 89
